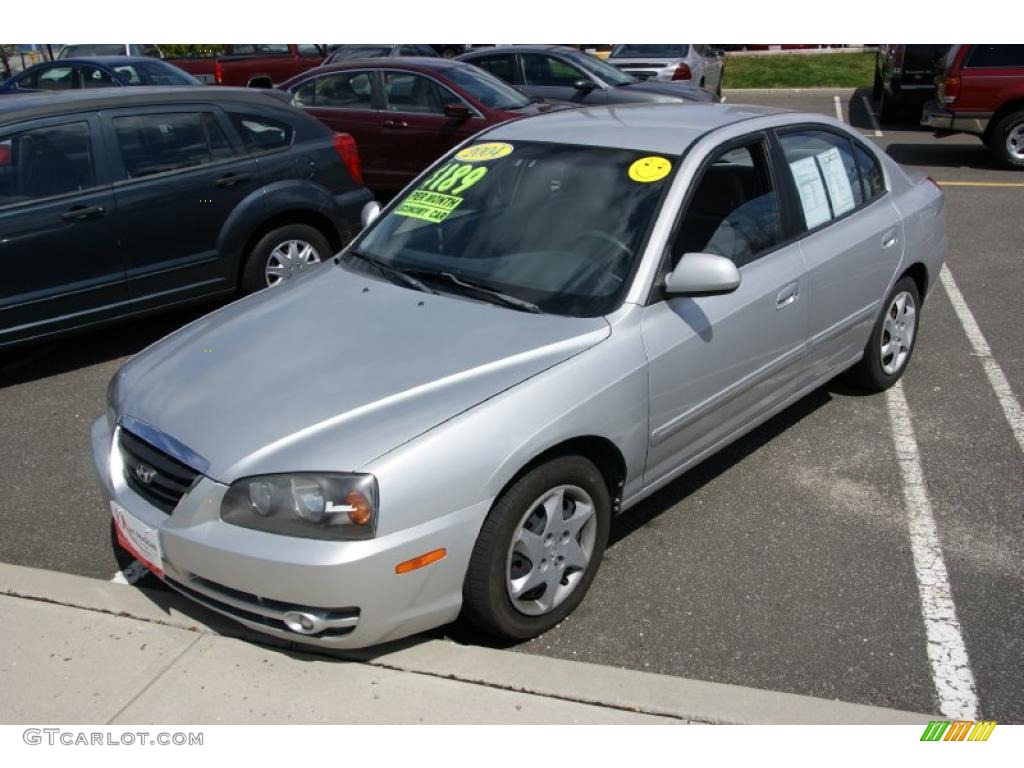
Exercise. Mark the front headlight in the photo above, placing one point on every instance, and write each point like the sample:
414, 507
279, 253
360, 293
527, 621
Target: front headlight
310, 505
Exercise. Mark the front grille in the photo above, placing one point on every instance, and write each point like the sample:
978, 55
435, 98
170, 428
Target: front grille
169, 479
264, 611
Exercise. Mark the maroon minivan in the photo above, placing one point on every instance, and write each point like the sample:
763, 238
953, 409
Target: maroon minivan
404, 113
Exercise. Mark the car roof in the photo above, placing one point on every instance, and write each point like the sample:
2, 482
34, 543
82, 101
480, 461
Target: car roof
18, 106
524, 49
107, 60
412, 62
663, 128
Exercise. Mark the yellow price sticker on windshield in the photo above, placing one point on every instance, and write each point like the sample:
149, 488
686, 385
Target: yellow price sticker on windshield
478, 153
650, 168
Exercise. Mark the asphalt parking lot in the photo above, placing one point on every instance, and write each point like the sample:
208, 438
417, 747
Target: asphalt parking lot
785, 562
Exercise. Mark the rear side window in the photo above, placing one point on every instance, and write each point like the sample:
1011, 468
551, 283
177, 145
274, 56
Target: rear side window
341, 90
45, 162
993, 56
309, 51
502, 66
734, 210
159, 143
544, 70
825, 173
93, 77
262, 134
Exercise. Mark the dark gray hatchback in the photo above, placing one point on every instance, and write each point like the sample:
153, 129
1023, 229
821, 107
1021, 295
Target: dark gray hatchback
116, 202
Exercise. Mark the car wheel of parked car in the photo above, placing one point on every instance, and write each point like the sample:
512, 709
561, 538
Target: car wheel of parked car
892, 339
283, 253
1007, 140
538, 550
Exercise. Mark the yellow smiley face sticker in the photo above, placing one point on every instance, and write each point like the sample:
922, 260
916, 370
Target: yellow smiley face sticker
650, 168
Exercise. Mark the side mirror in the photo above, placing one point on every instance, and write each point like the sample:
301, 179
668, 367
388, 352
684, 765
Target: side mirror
701, 274
584, 85
370, 212
456, 111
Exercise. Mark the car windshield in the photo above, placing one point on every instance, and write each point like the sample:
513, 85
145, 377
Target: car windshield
558, 226
486, 88
154, 72
595, 66
360, 52
90, 49
652, 51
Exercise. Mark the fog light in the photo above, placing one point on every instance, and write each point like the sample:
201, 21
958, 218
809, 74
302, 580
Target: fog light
303, 623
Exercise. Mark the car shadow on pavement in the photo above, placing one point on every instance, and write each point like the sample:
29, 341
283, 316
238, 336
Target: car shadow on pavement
63, 354
945, 155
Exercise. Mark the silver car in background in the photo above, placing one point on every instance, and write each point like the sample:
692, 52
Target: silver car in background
701, 65
552, 322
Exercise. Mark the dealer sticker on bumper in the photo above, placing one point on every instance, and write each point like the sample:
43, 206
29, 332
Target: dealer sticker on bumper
138, 538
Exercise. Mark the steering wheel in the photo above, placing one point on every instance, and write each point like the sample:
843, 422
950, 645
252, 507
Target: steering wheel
599, 235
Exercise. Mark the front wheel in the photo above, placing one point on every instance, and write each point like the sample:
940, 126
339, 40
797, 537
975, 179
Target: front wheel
891, 344
538, 550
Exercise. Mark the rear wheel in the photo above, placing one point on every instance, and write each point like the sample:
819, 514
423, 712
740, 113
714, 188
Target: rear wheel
892, 340
538, 550
888, 109
1007, 140
281, 254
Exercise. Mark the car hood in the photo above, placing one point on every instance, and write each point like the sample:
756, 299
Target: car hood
678, 90
334, 369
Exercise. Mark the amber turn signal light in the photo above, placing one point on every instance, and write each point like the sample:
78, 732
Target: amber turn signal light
422, 560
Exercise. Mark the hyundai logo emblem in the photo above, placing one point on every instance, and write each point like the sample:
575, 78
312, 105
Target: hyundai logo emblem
145, 473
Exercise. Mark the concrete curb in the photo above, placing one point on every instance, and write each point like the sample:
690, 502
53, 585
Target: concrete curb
642, 692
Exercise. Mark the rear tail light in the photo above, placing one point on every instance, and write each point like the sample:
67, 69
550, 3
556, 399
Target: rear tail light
347, 150
949, 89
218, 73
682, 72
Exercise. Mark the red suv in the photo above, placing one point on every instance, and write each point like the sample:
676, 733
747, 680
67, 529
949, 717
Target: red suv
980, 90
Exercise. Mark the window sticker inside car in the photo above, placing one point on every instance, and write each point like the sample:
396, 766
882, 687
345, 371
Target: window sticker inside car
650, 168
812, 191
479, 153
837, 181
436, 198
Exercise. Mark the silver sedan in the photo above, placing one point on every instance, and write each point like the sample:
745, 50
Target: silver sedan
701, 65
556, 319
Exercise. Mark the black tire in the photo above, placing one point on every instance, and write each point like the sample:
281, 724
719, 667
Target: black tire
486, 601
254, 272
997, 139
868, 374
888, 109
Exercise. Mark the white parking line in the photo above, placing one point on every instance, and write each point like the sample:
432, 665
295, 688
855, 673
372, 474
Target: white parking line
871, 114
131, 574
839, 108
947, 654
1009, 402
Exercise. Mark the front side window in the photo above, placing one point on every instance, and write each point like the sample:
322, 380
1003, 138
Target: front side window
54, 79
734, 208
559, 226
158, 143
339, 90
261, 134
825, 172
44, 162
543, 70
407, 92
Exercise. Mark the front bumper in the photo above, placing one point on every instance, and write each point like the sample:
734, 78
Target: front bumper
942, 120
256, 578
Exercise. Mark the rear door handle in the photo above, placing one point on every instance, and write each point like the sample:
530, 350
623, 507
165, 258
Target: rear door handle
787, 296
395, 124
889, 240
230, 179
82, 213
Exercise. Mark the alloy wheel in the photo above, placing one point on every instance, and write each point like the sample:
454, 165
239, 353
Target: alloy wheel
898, 330
1015, 142
288, 259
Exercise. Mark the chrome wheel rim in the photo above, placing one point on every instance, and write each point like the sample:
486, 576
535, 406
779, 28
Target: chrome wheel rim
898, 331
288, 259
550, 550
1015, 142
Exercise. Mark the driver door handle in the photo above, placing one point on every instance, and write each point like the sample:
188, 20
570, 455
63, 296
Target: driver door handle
230, 179
395, 124
82, 213
787, 296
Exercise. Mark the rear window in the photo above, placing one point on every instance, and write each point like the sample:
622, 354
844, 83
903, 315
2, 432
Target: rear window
158, 143
924, 57
45, 162
261, 134
993, 56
